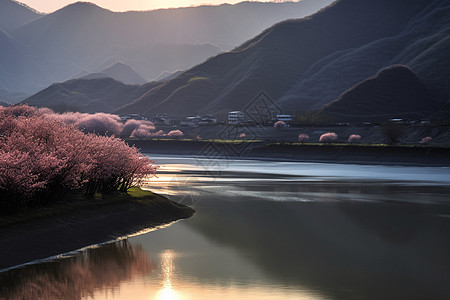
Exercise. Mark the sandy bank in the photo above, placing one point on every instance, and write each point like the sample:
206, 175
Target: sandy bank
39, 238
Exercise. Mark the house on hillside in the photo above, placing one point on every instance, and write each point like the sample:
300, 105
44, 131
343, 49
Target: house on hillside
285, 118
236, 117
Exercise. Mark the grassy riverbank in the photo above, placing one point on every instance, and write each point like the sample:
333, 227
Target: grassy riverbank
76, 222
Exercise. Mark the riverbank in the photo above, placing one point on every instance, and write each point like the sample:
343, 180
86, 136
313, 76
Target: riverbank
68, 226
330, 153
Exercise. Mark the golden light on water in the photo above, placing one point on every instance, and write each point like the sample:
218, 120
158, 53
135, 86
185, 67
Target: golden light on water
167, 270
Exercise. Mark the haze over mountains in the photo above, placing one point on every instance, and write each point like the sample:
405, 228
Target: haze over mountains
83, 37
118, 71
13, 14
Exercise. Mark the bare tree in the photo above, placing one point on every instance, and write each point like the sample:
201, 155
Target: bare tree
392, 131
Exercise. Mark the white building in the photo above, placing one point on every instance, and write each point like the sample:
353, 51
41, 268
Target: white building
285, 118
236, 117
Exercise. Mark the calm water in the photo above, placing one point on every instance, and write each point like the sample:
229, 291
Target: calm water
270, 230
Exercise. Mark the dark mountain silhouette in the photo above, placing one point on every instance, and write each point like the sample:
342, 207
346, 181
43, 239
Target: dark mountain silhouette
395, 92
120, 72
82, 36
442, 116
422, 43
304, 64
14, 14
88, 95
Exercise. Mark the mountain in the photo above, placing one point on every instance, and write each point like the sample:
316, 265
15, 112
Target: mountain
88, 95
442, 115
14, 14
166, 76
11, 97
119, 72
422, 43
81, 36
395, 92
17, 66
3, 103
156, 59
306, 63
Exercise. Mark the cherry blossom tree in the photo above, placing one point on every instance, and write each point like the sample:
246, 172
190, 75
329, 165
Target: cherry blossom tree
175, 133
354, 138
279, 124
144, 131
137, 128
328, 137
42, 157
426, 140
302, 137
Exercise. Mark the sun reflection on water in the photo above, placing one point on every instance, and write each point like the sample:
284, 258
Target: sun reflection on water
168, 271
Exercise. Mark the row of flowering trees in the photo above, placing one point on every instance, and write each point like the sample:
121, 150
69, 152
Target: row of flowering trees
109, 124
42, 157
329, 137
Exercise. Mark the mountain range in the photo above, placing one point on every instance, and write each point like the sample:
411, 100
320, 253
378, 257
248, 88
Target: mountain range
307, 63
102, 94
118, 71
83, 38
353, 60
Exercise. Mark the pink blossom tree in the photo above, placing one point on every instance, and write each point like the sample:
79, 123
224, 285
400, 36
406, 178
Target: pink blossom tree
354, 138
242, 136
328, 137
426, 140
143, 131
175, 133
144, 128
41, 158
279, 124
100, 123
302, 137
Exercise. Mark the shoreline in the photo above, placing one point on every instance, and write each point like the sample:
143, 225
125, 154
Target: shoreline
44, 238
339, 154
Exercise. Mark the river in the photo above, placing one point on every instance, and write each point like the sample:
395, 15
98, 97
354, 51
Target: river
270, 230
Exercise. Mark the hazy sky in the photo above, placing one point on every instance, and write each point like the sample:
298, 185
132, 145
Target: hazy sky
124, 5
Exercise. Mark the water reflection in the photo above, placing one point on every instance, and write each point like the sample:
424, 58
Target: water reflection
262, 236
167, 268
92, 271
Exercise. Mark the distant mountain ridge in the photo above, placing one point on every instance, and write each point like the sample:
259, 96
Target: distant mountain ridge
325, 62
307, 63
14, 14
88, 95
81, 36
120, 72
